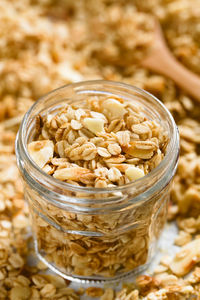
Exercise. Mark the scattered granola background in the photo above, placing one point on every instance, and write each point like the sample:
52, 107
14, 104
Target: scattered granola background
44, 45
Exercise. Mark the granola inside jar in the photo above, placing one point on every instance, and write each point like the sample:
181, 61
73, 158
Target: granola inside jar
97, 159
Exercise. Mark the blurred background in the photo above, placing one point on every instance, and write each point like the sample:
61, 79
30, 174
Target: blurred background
45, 44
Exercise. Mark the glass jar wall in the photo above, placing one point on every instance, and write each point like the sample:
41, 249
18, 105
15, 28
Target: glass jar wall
97, 233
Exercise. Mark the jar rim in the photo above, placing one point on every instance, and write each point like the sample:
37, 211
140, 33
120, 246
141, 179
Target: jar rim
172, 148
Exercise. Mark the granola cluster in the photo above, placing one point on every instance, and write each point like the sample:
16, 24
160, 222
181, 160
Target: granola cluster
106, 142
45, 45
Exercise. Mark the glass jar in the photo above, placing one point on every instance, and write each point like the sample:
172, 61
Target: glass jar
97, 233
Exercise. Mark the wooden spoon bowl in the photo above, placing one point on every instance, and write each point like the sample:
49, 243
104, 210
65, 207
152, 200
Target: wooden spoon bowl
161, 60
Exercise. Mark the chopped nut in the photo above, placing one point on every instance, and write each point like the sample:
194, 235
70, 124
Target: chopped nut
94, 125
41, 152
183, 238
184, 260
113, 109
134, 173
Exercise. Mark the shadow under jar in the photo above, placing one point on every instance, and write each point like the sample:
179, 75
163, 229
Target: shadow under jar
97, 233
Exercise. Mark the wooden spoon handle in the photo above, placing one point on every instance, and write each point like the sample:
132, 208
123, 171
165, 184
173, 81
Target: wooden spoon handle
162, 61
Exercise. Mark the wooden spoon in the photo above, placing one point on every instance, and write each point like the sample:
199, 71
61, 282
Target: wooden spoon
161, 60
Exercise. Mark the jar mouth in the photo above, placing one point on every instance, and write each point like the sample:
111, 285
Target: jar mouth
168, 163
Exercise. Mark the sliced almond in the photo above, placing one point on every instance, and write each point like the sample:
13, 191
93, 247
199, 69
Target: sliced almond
94, 125
121, 167
134, 173
98, 115
139, 153
186, 258
113, 109
41, 152
74, 173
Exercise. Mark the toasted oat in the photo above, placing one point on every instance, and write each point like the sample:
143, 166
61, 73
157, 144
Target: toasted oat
16, 260
125, 295
194, 277
20, 292
87, 152
116, 125
100, 183
114, 149
123, 138
108, 294
103, 152
181, 292
41, 266
165, 279
115, 159
94, 292
48, 291
39, 280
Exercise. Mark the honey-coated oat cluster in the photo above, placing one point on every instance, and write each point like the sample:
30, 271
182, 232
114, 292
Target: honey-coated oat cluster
44, 45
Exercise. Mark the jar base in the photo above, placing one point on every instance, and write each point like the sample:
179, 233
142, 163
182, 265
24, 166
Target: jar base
97, 280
